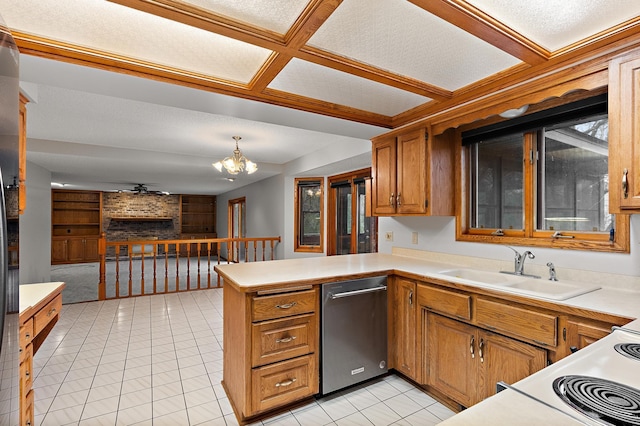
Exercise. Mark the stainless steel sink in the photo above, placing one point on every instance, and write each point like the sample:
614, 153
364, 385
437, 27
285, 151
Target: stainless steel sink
554, 290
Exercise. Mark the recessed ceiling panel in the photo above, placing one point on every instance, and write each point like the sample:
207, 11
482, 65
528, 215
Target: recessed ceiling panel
274, 15
315, 81
398, 36
554, 24
135, 34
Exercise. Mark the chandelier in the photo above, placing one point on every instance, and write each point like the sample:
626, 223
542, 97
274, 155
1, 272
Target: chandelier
237, 162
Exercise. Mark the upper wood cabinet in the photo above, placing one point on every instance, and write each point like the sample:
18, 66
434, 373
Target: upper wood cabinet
624, 133
412, 174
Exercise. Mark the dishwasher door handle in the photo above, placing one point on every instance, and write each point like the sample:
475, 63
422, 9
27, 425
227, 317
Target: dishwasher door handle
333, 296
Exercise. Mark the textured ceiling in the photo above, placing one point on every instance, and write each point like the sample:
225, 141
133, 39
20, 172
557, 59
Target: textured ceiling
289, 76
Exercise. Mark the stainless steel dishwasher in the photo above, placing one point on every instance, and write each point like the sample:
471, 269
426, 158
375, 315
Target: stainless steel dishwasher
354, 332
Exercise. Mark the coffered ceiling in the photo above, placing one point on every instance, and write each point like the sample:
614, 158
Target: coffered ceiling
374, 62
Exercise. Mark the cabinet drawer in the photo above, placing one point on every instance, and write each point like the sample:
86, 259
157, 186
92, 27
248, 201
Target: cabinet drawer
445, 301
26, 375
519, 322
281, 339
47, 314
283, 383
283, 305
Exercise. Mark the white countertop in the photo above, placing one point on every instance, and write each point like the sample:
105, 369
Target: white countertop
253, 276
32, 294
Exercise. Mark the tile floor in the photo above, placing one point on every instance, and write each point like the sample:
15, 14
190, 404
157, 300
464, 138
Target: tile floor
157, 360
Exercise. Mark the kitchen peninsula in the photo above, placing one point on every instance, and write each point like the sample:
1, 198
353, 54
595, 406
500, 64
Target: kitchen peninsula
271, 328
40, 306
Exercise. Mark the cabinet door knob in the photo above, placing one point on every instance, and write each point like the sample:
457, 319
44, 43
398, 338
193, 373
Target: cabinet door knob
625, 184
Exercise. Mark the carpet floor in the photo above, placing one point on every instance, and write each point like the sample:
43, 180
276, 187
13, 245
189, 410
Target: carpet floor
82, 279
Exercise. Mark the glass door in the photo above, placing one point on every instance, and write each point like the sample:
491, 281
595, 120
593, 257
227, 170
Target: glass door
350, 230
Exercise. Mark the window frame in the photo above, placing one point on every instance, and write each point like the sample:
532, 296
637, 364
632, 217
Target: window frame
529, 236
299, 184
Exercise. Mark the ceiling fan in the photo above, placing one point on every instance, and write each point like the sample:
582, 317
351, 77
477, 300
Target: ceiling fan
140, 188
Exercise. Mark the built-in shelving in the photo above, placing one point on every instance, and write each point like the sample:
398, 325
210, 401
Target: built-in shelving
76, 222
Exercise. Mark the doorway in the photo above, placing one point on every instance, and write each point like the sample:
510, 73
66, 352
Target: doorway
237, 228
350, 230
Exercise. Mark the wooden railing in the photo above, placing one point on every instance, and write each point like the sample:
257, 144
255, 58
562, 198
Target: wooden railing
145, 267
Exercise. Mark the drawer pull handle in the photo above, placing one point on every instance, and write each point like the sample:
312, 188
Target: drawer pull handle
481, 350
286, 305
286, 383
286, 339
471, 343
51, 312
27, 374
27, 336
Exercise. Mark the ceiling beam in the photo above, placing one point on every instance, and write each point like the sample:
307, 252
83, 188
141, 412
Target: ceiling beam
475, 22
291, 44
80, 55
313, 16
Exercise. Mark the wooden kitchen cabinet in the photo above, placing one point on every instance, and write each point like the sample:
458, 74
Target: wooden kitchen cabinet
44, 303
405, 328
271, 349
74, 250
413, 174
76, 222
466, 362
624, 133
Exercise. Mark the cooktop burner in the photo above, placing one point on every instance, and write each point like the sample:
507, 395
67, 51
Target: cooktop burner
608, 402
631, 350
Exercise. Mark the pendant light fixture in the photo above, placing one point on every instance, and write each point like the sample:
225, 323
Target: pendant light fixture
237, 162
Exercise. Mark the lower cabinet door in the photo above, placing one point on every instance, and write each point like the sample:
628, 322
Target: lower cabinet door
283, 383
504, 359
91, 249
75, 249
451, 353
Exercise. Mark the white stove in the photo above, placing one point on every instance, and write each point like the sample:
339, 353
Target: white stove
598, 385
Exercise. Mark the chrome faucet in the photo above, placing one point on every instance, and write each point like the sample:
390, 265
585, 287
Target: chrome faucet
518, 267
552, 272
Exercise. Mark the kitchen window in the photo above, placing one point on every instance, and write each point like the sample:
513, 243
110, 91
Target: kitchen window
309, 206
542, 180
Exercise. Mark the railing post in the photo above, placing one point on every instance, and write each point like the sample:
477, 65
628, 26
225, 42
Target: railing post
102, 253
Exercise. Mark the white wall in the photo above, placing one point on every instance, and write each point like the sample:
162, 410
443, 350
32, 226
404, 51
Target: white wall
438, 234
264, 210
35, 227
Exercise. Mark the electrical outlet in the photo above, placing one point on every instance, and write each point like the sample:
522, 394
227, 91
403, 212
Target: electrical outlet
388, 236
414, 238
